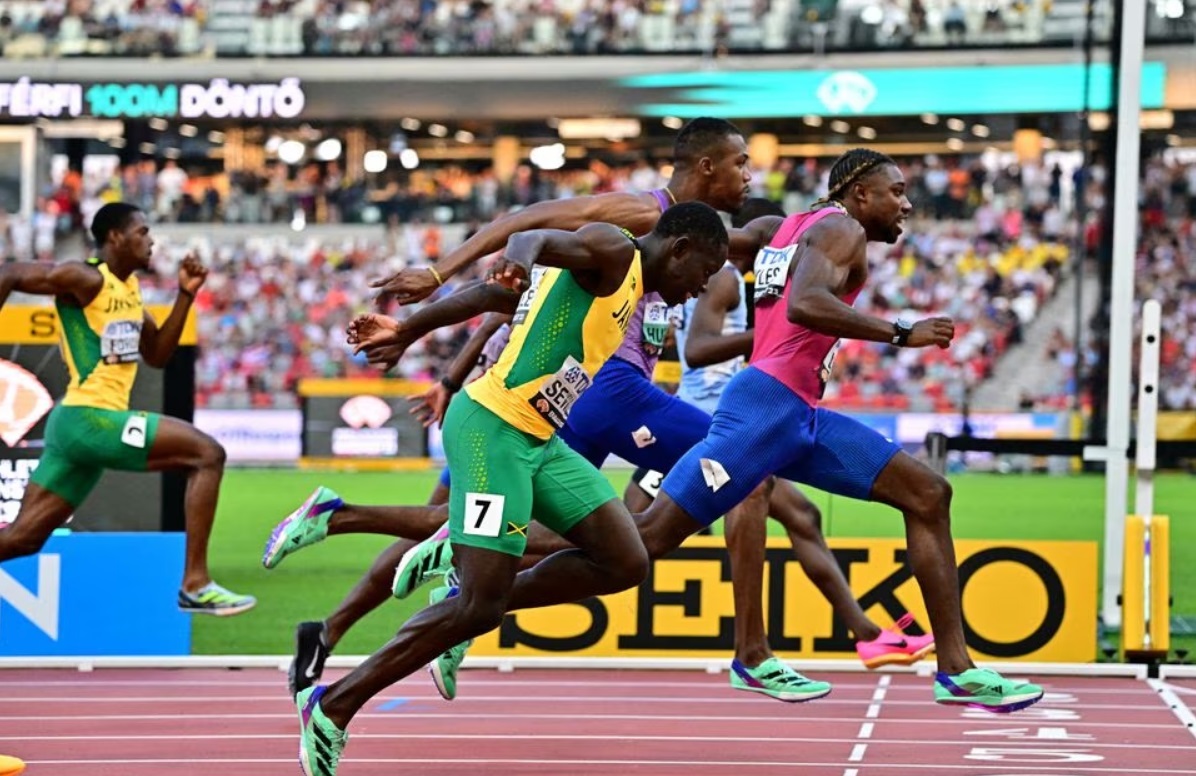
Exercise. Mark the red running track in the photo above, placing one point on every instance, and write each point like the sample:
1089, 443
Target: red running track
199, 722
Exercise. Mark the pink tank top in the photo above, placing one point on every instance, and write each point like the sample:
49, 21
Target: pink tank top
798, 357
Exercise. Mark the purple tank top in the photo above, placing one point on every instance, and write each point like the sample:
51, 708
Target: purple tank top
494, 347
646, 330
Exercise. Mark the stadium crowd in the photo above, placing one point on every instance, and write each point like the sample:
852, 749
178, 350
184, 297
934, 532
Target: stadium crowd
37, 28
1000, 196
987, 247
276, 308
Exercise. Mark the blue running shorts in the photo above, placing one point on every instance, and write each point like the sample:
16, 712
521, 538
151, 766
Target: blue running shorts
625, 414
762, 428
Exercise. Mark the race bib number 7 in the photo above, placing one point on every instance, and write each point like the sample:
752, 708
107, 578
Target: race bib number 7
772, 271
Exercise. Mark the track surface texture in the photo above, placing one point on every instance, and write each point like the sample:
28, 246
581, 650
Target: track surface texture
197, 722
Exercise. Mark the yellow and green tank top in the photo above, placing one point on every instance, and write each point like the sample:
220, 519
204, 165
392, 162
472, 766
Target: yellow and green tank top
560, 336
101, 343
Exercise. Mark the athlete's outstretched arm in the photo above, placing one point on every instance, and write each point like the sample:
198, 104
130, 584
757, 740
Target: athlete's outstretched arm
598, 255
73, 279
706, 343
637, 213
747, 241
431, 405
384, 340
828, 255
159, 344
464, 362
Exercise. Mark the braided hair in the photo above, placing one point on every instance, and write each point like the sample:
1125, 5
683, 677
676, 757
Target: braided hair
849, 169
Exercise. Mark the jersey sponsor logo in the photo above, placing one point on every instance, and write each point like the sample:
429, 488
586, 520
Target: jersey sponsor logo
643, 437
714, 474
23, 402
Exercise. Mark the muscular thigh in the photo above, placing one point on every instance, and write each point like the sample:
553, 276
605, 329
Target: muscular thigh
493, 464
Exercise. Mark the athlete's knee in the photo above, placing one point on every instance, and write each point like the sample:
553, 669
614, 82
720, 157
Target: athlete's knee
630, 568
211, 454
930, 497
481, 611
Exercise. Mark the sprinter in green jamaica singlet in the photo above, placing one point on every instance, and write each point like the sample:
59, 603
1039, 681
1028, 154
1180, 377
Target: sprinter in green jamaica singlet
104, 333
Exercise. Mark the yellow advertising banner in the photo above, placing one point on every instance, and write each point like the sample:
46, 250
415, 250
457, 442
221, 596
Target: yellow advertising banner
1031, 601
38, 325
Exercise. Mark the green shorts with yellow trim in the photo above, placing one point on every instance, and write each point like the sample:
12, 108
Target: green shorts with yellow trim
81, 442
503, 477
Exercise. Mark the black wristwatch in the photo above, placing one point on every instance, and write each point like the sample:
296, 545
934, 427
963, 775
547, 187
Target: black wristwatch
451, 386
901, 331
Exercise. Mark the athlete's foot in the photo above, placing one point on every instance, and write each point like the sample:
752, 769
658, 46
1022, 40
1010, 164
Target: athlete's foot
894, 646
321, 742
777, 680
422, 562
444, 668
305, 526
214, 599
983, 688
311, 650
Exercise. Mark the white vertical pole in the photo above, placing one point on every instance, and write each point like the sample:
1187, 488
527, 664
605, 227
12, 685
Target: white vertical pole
1148, 413
1148, 407
1125, 239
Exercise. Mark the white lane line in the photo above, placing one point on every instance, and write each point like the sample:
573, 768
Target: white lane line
991, 720
562, 737
878, 697
1177, 706
739, 765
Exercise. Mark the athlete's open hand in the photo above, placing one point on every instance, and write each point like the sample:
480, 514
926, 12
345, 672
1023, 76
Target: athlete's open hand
380, 337
510, 274
932, 331
192, 274
430, 407
408, 286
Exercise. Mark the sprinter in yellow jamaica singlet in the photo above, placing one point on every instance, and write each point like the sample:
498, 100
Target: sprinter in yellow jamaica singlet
500, 436
104, 333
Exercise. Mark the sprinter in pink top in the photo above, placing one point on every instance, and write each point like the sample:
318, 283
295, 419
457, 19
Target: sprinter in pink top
809, 268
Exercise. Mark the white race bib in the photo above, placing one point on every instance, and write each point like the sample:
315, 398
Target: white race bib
121, 342
772, 271
529, 296
483, 514
559, 392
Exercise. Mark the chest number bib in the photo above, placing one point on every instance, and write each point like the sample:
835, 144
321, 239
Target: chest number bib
529, 296
121, 342
656, 326
772, 271
559, 392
